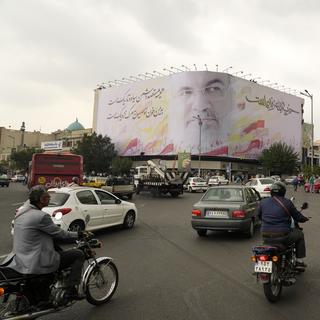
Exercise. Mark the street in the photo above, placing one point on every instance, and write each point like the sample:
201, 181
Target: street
168, 272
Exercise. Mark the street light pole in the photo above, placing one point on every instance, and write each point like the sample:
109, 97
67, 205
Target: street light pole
309, 95
200, 126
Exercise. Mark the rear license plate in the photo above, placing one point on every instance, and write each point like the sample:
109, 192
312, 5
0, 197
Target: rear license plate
216, 214
263, 266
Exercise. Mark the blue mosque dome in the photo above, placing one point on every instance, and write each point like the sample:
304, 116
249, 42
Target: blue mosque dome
75, 126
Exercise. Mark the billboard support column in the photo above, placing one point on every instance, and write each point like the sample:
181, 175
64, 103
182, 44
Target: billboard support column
309, 95
200, 125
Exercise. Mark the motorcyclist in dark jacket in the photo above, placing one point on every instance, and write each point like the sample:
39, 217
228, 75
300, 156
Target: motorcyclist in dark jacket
276, 214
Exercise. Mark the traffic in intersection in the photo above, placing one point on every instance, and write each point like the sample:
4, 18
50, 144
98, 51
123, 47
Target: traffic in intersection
166, 271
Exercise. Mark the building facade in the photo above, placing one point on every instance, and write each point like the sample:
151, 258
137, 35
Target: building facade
12, 140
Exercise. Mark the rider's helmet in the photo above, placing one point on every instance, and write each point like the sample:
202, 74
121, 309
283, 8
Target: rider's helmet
278, 189
36, 193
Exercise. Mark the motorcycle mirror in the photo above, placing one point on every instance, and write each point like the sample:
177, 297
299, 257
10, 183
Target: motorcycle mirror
58, 215
305, 205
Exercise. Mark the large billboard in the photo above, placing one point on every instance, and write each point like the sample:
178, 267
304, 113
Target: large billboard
197, 111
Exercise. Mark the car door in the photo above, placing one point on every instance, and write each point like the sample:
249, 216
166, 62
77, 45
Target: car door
113, 210
251, 202
254, 184
90, 209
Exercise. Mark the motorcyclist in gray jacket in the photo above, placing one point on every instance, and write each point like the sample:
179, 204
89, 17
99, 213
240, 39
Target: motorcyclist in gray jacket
34, 250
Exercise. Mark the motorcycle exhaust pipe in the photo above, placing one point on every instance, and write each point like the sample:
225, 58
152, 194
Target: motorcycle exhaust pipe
32, 315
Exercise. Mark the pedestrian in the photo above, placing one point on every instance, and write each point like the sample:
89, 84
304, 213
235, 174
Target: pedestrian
295, 183
74, 183
311, 182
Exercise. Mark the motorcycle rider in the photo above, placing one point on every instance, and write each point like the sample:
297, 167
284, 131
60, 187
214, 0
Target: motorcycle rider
276, 214
34, 250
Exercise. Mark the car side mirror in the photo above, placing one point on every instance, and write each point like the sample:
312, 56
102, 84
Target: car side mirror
305, 205
118, 201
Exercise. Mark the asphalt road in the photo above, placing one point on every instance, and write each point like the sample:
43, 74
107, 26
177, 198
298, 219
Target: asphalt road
168, 272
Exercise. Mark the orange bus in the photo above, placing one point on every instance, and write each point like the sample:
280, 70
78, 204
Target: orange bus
54, 169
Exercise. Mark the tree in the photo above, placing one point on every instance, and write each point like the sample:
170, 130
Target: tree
22, 158
97, 152
280, 158
4, 166
121, 165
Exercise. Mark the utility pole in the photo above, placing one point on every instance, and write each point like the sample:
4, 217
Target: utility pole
200, 127
309, 95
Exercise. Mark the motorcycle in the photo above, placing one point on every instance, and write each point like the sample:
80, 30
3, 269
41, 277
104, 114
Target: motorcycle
276, 264
99, 283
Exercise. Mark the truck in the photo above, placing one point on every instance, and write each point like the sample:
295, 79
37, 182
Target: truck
54, 169
158, 180
120, 186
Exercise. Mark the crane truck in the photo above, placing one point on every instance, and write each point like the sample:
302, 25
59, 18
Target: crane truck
155, 178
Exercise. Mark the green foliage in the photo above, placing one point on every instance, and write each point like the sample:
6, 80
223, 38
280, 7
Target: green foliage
307, 172
97, 152
4, 166
121, 165
280, 158
20, 159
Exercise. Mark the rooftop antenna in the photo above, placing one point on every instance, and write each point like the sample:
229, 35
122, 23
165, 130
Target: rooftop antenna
235, 74
179, 70
126, 79
170, 71
143, 75
187, 69
158, 73
135, 78
150, 75
226, 69
248, 74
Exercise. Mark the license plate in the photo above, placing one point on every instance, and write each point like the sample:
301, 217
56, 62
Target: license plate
217, 214
263, 267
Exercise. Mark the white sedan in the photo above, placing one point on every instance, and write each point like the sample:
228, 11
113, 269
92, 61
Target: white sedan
217, 180
262, 185
85, 208
195, 184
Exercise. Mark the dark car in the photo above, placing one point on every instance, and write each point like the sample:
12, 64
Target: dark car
227, 208
4, 180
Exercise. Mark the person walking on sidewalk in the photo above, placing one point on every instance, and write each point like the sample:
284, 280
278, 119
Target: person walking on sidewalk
311, 182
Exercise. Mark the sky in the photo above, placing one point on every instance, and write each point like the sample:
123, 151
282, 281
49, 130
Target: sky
54, 53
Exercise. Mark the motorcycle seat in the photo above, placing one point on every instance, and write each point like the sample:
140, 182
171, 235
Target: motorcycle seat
8, 274
280, 243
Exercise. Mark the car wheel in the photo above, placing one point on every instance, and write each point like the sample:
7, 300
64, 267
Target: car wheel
129, 220
202, 232
76, 226
250, 231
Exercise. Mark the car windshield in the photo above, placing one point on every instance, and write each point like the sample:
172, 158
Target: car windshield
224, 194
198, 180
58, 199
266, 181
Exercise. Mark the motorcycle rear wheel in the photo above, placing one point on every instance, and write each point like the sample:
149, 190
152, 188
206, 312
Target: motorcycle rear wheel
272, 289
102, 283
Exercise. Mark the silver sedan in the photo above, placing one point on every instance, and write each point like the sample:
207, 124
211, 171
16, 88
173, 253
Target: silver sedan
226, 208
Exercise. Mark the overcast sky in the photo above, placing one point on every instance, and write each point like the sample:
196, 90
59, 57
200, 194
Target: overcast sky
54, 52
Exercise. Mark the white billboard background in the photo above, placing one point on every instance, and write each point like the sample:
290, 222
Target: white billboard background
238, 118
